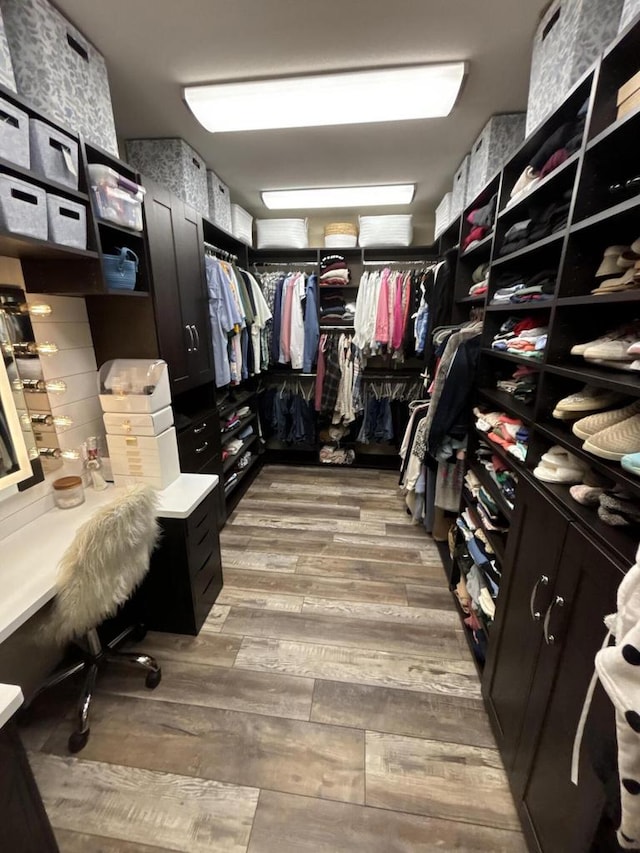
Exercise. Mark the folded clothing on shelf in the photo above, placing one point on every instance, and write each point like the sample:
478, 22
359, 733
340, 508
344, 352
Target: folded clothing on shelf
524, 336
503, 477
518, 289
484, 216
502, 429
545, 219
334, 271
522, 385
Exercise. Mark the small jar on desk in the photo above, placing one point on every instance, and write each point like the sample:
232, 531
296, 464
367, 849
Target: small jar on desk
68, 492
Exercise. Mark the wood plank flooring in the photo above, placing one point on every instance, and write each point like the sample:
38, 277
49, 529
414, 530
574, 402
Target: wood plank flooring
329, 705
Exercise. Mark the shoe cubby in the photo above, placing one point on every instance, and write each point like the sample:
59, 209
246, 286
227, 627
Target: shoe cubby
610, 176
618, 65
581, 323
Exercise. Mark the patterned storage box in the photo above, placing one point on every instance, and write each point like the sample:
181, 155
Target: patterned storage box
459, 189
59, 71
219, 202
7, 77
175, 165
14, 134
568, 40
630, 9
500, 138
443, 215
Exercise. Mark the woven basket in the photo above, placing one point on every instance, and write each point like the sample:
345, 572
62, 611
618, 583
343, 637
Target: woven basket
341, 228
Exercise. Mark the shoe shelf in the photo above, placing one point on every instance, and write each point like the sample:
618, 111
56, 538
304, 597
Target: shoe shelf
625, 382
612, 470
495, 539
630, 205
605, 299
507, 402
492, 487
516, 359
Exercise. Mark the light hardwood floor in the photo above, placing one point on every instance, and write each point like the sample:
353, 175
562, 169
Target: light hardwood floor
329, 705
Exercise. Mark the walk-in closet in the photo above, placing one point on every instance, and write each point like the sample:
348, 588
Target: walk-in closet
319, 427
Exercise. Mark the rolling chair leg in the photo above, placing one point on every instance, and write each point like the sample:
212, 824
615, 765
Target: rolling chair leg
154, 673
79, 738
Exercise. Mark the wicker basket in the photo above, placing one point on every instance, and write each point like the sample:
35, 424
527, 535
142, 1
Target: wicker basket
340, 235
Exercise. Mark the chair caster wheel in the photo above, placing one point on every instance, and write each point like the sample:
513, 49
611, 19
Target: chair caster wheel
153, 679
78, 741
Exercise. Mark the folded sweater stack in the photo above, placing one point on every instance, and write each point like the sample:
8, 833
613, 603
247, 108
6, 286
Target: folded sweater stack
334, 271
521, 336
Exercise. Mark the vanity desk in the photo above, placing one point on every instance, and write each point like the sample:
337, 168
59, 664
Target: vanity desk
183, 581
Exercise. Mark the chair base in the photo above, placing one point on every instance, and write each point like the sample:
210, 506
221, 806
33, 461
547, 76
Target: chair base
96, 656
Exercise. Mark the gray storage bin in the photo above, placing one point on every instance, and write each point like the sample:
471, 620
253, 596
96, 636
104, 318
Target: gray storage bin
459, 189
569, 38
23, 208
54, 155
501, 136
14, 134
630, 9
7, 77
175, 165
67, 221
59, 71
219, 202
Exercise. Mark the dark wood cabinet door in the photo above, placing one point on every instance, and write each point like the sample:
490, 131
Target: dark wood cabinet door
564, 817
188, 239
536, 541
174, 338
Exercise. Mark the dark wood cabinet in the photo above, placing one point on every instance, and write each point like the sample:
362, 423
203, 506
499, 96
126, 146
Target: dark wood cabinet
174, 233
199, 446
185, 576
24, 825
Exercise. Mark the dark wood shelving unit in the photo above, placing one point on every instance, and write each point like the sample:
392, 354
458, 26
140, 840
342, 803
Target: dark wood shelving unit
552, 239
540, 188
494, 538
516, 359
489, 484
507, 402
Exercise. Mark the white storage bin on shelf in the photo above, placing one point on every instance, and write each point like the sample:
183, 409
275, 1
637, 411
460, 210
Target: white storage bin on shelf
282, 234
219, 202
459, 189
117, 199
630, 9
128, 424
443, 215
58, 71
569, 38
175, 165
135, 385
393, 230
54, 155
14, 134
23, 208
151, 459
500, 138
67, 222
242, 224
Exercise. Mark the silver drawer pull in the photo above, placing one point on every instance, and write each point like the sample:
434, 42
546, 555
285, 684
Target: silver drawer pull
543, 580
558, 601
192, 347
198, 430
197, 334
203, 448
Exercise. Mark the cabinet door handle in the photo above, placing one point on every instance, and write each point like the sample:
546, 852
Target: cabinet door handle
543, 580
203, 448
197, 334
190, 330
198, 430
558, 601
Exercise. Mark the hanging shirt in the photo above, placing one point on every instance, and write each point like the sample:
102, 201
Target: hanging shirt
382, 314
224, 316
296, 346
262, 316
311, 329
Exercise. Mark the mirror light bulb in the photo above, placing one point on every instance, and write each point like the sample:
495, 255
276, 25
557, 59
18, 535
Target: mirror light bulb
40, 310
47, 348
56, 386
62, 421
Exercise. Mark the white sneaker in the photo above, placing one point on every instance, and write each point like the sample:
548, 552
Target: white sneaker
590, 399
614, 335
614, 350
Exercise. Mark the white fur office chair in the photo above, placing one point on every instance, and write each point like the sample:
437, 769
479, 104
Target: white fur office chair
106, 561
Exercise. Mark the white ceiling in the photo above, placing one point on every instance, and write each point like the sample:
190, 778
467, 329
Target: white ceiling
153, 47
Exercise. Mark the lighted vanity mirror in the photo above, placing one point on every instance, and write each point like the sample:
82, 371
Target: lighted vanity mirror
15, 466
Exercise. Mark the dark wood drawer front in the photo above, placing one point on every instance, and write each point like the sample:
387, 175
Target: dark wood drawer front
199, 444
206, 585
201, 518
200, 550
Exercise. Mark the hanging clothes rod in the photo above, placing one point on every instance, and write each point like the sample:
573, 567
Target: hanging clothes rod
390, 263
210, 249
336, 329
285, 264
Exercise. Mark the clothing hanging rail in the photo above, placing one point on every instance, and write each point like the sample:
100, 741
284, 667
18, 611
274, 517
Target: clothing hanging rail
213, 251
390, 263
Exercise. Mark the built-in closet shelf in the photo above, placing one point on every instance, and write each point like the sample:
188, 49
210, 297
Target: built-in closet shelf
238, 402
495, 540
227, 435
111, 226
489, 484
556, 237
233, 460
7, 167
551, 178
614, 128
481, 247
625, 382
229, 489
507, 402
126, 293
323, 287
21, 246
630, 205
605, 299
623, 545
610, 469
470, 300
513, 463
516, 359
521, 306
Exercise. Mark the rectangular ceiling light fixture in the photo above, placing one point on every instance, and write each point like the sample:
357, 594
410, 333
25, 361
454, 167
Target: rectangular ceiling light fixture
339, 197
353, 97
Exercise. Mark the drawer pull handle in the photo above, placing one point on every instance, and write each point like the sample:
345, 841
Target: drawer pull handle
197, 334
558, 601
193, 343
203, 448
543, 580
198, 430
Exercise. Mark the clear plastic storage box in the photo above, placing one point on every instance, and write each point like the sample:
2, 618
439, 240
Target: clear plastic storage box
117, 199
137, 385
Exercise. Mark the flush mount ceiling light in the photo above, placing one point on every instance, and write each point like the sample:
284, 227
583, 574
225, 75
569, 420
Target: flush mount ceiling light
353, 97
339, 197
